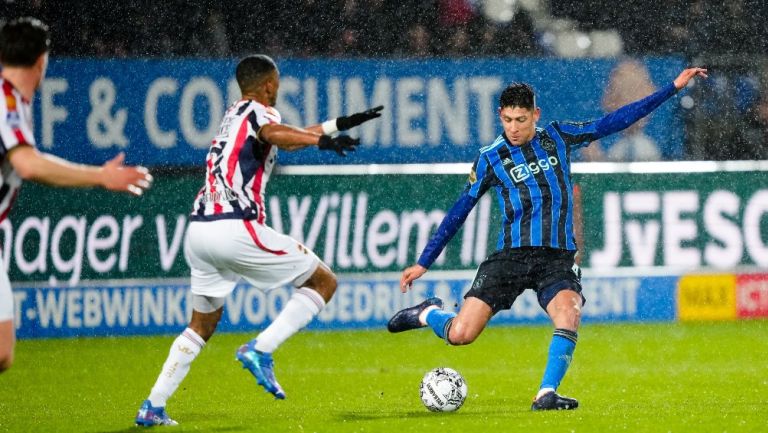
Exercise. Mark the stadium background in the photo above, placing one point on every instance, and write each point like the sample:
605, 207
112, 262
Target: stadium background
95, 264
674, 250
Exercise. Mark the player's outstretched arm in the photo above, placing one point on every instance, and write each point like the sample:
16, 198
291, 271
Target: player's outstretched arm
623, 117
346, 122
686, 76
410, 275
289, 137
41, 167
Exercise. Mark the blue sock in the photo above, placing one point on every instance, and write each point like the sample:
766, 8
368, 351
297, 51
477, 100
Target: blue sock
440, 321
560, 356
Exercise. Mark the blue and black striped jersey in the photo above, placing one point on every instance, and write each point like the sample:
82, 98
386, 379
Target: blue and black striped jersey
533, 187
533, 181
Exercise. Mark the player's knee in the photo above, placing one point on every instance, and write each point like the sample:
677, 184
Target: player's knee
459, 335
568, 317
6, 360
333, 282
324, 282
330, 288
565, 310
572, 312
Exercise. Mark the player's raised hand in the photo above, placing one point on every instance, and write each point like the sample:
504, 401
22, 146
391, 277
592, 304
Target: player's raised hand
340, 144
346, 122
410, 275
685, 76
118, 177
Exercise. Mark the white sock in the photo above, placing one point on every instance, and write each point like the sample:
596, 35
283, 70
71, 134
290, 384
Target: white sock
183, 351
423, 314
297, 313
543, 391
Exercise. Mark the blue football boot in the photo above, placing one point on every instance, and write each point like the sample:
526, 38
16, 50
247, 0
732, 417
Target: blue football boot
407, 319
149, 416
261, 366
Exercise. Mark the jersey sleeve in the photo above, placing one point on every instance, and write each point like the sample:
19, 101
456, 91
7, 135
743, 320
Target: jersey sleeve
576, 134
480, 179
15, 124
265, 115
262, 115
580, 134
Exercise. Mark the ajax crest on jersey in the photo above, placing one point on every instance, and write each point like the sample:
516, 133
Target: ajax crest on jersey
443, 390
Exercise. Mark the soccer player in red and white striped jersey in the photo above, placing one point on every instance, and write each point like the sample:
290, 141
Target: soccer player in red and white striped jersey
228, 240
24, 45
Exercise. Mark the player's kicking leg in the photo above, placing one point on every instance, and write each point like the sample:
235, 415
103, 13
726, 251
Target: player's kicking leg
206, 314
415, 317
306, 302
456, 329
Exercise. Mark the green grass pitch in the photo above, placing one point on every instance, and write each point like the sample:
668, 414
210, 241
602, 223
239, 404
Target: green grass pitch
700, 377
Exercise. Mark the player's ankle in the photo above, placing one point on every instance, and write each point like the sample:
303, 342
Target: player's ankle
423, 314
543, 391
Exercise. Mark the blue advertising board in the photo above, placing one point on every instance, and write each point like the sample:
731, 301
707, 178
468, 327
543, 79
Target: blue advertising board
134, 308
165, 112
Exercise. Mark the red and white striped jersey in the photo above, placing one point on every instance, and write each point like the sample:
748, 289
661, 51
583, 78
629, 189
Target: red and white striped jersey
15, 130
238, 166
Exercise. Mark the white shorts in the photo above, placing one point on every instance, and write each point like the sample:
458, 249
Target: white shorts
221, 252
6, 296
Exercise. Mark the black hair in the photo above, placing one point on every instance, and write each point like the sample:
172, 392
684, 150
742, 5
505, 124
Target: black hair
518, 95
23, 41
252, 70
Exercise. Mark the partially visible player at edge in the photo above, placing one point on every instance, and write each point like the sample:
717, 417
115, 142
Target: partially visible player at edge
227, 238
530, 169
24, 46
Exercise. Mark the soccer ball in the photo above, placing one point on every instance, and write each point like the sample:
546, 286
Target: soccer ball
443, 390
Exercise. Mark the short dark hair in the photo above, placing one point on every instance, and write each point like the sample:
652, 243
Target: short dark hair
252, 70
518, 95
23, 41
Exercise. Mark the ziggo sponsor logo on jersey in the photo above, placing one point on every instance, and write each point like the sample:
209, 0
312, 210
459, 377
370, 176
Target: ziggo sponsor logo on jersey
521, 172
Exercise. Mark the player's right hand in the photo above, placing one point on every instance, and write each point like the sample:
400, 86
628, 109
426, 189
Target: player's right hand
339, 144
410, 275
118, 177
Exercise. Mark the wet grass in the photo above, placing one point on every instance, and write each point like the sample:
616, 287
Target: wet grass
702, 377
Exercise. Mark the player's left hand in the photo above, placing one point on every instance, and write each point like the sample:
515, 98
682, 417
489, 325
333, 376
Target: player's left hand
340, 144
346, 122
685, 76
118, 177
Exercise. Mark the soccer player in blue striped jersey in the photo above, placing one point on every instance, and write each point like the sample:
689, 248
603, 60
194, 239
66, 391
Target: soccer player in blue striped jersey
529, 167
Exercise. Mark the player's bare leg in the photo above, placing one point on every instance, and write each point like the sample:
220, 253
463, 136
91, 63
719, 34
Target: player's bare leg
7, 329
565, 311
323, 281
7, 342
470, 322
456, 329
303, 306
206, 314
306, 302
204, 324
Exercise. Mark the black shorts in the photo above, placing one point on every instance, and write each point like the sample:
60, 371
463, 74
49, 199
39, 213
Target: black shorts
507, 273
